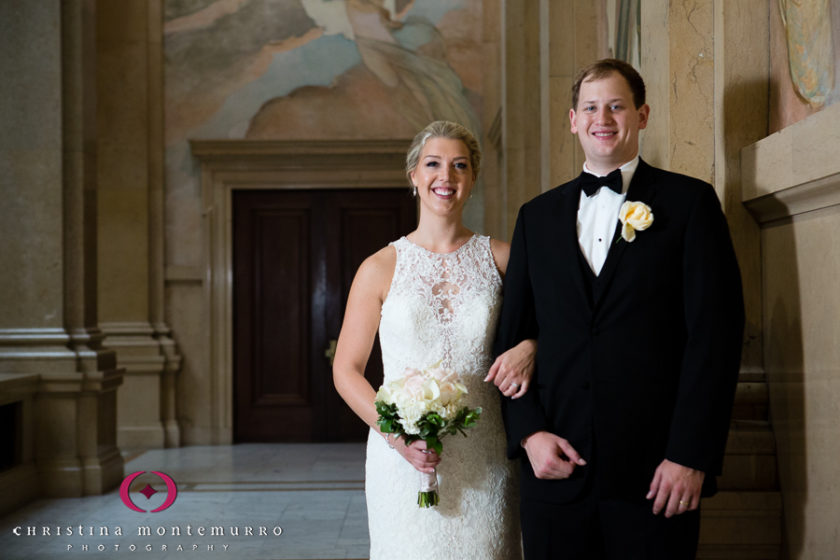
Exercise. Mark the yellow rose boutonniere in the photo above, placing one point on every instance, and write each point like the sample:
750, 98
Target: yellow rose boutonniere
634, 216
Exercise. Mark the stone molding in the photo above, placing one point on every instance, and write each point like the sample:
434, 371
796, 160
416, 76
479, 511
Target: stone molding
795, 170
67, 380
228, 165
148, 356
64, 361
740, 525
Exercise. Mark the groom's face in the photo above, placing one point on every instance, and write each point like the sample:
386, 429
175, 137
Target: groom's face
607, 122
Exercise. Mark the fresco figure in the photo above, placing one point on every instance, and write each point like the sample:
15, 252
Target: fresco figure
434, 90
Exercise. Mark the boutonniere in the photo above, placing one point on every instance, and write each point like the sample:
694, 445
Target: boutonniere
634, 216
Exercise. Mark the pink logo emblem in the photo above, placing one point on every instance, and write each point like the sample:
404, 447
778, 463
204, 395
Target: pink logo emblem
148, 491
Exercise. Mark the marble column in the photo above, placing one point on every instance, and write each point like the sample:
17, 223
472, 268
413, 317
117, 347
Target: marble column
130, 219
575, 37
544, 43
47, 221
520, 101
705, 68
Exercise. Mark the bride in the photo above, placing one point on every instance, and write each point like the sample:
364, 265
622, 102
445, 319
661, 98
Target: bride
434, 296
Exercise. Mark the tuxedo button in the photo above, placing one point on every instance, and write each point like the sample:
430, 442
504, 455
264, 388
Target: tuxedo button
585, 385
595, 331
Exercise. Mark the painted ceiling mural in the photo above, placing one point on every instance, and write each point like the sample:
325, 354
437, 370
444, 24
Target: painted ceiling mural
319, 68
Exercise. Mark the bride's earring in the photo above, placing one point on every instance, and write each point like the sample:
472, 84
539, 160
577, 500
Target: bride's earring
415, 191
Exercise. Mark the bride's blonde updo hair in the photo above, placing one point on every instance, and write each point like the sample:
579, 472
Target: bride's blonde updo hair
442, 129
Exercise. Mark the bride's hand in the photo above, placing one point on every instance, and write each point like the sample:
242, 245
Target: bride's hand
423, 459
512, 370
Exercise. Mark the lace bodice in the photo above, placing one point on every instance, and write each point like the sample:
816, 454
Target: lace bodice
443, 308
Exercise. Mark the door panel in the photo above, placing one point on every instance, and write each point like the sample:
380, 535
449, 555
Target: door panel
363, 224
281, 342
295, 255
272, 356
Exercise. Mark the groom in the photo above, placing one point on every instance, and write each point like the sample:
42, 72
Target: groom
627, 277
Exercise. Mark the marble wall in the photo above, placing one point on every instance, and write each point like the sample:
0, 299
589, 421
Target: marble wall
792, 185
543, 44
717, 102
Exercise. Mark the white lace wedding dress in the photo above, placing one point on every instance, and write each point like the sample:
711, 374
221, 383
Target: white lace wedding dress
444, 307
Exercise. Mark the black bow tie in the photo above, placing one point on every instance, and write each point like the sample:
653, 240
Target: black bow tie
590, 183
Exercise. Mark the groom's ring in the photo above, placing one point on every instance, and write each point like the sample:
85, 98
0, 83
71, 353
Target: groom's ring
683, 503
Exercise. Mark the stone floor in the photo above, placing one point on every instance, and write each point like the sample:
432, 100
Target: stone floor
311, 494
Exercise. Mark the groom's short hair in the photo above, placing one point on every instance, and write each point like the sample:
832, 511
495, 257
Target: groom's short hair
603, 68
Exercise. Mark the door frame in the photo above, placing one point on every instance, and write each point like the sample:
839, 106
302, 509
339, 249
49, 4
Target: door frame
228, 165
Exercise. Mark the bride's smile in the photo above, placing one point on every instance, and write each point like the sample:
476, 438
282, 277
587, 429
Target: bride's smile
444, 177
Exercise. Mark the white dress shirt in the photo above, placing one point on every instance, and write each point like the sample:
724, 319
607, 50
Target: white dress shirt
597, 217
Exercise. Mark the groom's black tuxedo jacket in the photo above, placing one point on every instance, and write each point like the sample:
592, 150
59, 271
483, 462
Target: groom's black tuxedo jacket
638, 364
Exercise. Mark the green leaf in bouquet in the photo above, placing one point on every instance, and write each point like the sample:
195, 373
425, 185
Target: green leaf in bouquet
389, 419
386, 410
471, 417
430, 425
464, 419
434, 443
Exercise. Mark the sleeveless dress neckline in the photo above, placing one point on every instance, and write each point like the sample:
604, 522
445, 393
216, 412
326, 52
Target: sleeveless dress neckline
472, 238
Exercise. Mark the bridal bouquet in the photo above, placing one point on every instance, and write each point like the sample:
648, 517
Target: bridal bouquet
425, 405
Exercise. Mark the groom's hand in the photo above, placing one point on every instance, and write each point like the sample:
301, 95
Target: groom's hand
675, 488
551, 456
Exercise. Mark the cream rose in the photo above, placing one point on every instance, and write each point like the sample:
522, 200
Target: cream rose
634, 216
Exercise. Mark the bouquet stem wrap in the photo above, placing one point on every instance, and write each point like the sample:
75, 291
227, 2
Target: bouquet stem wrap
428, 494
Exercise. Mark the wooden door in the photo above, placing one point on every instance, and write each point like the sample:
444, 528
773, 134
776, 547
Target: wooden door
295, 255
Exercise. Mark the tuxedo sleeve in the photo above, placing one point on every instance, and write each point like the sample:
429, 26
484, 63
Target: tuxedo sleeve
517, 322
714, 322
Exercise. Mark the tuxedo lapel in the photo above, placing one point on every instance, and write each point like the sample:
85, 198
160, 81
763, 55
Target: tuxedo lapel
567, 240
641, 190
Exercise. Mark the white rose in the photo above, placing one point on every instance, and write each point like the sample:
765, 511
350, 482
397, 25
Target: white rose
384, 395
634, 216
431, 390
447, 392
413, 386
